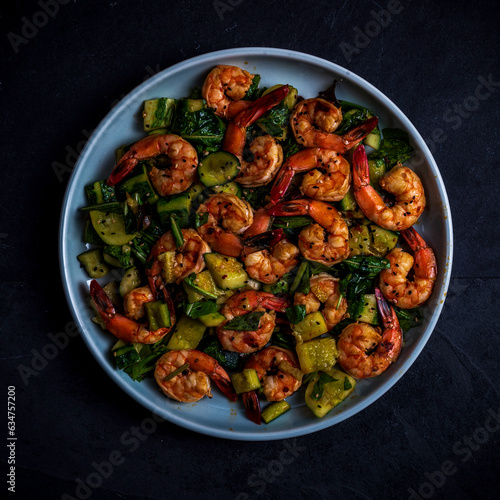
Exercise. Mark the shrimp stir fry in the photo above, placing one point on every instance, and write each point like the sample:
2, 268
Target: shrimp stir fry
185, 376
125, 327
327, 241
228, 217
358, 339
401, 181
315, 120
324, 296
394, 283
178, 163
328, 178
224, 88
245, 303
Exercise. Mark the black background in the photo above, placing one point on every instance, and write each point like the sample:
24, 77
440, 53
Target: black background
60, 79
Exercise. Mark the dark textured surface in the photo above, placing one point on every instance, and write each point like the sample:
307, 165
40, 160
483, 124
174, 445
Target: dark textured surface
57, 85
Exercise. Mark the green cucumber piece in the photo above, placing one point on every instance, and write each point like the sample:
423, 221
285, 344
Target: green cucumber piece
245, 381
367, 310
229, 188
227, 272
99, 192
218, 168
179, 206
94, 263
139, 184
383, 240
130, 281
158, 315
158, 113
187, 334
110, 227
360, 240
212, 319
274, 411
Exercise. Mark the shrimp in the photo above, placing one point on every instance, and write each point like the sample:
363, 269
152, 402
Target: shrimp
327, 241
223, 89
268, 157
122, 327
357, 339
188, 258
329, 176
401, 181
278, 370
133, 302
175, 174
269, 265
236, 131
394, 283
243, 303
314, 121
193, 371
325, 295
228, 217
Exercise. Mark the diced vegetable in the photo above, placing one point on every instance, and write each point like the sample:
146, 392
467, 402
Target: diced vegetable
245, 381
327, 390
139, 184
187, 334
218, 169
360, 240
158, 315
383, 240
118, 256
317, 354
168, 264
227, 272
227, 359
158, 113
274, 410
229, 188
275, 121
179, 206
125, 354
197, 309
366, 311
312, 326
212, 319
100, 192
201, 286
130, 280
94, 263
110, 227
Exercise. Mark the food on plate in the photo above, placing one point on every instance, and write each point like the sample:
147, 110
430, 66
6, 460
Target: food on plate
253, 242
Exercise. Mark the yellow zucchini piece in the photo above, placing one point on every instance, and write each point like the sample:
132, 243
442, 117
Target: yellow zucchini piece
312, 326
227, 272
204, 281
383, 240
167, 261
360, 240
333, 392
245, 381
94, 263
317, 354
131, 280
187, 334
212, 319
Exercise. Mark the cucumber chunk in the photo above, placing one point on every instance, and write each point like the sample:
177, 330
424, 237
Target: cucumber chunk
203, 286
110, 227
227, 272
383, 240
218, 168
158, 315
377, 169
374, 138
212, 319
139, 184
179, 206
94, 263
330, 393
187, 334
245, 381
360, 240
99, 192
130, 281
230, 188
367, 311
158, 113
274, 410
312, 326
317, 354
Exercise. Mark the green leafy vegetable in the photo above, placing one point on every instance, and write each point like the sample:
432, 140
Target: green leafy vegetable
408, 318
227, 359
395, 147
296, 314
120, 253
201, 127
257, 196
276, 119
197, 309
201, 219
148, 355
319, 386
347, 384
247, 322
253, 92
282, 339
302, 281
190, 280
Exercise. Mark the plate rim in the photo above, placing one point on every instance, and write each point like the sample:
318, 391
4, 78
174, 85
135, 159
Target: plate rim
316, 425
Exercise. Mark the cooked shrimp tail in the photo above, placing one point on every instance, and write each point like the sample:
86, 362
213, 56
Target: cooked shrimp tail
264, 240
425, 260
120, 326
252, 406
235, 136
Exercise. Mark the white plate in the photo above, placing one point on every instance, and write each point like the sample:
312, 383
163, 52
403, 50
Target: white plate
309, 74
